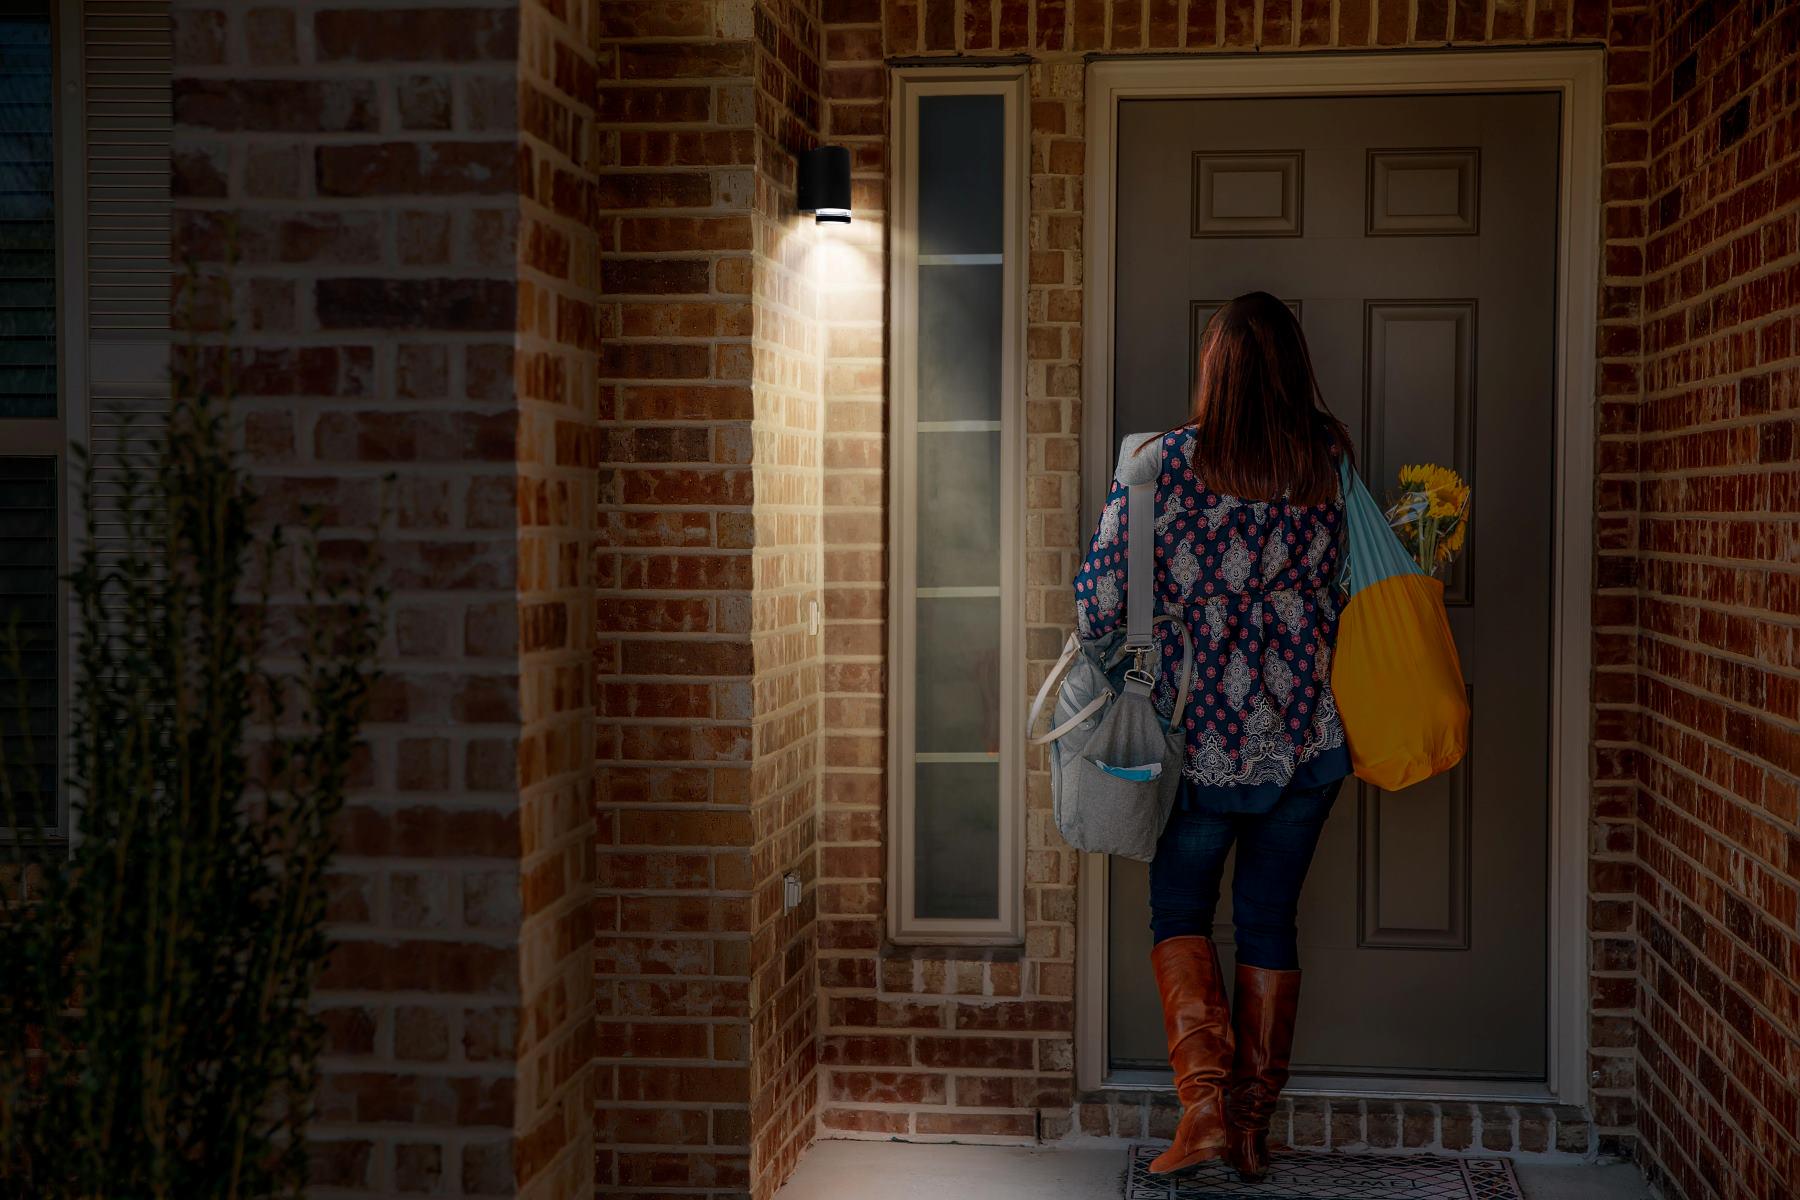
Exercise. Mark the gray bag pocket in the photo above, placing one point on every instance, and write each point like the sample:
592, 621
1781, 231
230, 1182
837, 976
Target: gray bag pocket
1108, 731
1106, 811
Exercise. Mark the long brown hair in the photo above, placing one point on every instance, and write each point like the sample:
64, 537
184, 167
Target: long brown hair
1261, 427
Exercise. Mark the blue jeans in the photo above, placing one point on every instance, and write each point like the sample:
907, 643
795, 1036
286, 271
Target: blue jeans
1274, 849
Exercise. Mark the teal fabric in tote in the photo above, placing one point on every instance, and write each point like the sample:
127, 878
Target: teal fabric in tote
1373, 551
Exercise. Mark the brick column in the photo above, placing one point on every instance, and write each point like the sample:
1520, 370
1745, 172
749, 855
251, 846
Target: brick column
675, 573
1613, 953
852, 862
709, 573
788, 568
554, 371
363, 167
1717, 471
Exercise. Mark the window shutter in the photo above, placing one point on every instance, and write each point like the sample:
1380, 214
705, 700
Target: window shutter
127, 64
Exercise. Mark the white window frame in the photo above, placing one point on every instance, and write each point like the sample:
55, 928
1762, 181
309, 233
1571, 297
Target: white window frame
119, 353
1008, 926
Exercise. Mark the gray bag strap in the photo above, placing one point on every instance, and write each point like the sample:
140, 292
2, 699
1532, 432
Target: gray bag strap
1140, 462
1140, 568
1138, 473
1186, 688
1140, 458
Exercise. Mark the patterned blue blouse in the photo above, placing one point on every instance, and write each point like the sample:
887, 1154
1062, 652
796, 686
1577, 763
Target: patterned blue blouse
1253, 582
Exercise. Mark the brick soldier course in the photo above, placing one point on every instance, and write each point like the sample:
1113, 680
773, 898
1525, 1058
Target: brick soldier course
540, 261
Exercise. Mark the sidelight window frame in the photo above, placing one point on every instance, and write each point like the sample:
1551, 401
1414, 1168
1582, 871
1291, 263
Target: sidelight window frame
1006, 925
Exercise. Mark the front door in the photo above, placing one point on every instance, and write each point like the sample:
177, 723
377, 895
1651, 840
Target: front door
1415, 237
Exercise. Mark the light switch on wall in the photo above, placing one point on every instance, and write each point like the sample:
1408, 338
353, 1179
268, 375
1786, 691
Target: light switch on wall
790, 892
812, 618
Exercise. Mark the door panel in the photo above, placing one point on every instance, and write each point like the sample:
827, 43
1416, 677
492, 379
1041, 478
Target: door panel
1419, 398
1415, 238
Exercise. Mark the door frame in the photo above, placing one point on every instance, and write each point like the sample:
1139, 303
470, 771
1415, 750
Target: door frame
1577, 75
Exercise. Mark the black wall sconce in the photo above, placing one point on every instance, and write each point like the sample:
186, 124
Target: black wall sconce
823, 184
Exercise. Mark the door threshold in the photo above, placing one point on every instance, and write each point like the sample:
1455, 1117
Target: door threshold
1497, 1091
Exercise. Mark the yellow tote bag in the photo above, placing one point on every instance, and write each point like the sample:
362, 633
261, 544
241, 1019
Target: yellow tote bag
1395, 675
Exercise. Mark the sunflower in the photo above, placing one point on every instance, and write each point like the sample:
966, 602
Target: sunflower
1447, 501
1451, 543
1443, 489
1431, 514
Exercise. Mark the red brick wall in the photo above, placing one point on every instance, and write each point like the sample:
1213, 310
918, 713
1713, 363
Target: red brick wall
710, 718
787, 445
851, 830
710, 568
466, 233
674, 573
925, 1044
554, 373
363, 165
1718, 579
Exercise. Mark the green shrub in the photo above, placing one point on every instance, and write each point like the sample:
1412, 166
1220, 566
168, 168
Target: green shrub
155, 971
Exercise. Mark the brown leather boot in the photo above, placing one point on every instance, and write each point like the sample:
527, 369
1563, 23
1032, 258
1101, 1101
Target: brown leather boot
1198, 1024
1263, 1014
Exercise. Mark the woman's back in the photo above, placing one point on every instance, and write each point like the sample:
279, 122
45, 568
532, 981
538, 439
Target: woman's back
1252, 581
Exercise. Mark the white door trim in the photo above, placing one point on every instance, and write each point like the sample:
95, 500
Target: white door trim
1577, 74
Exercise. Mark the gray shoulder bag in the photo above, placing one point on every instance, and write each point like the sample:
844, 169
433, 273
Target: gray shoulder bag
1115, 764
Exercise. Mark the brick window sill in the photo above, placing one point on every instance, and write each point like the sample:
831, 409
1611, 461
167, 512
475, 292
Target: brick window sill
1010, 953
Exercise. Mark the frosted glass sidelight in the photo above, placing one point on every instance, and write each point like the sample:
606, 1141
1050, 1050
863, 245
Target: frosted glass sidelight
959, 340
959, 509
962, 174
957, 840
958, 674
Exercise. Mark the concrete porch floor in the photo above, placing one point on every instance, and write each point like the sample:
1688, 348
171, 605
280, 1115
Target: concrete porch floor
845, 1170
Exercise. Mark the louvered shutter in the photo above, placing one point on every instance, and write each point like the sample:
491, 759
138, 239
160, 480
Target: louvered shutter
127, 63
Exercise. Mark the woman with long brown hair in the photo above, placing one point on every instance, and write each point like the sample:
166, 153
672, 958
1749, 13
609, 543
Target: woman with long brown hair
1248, 525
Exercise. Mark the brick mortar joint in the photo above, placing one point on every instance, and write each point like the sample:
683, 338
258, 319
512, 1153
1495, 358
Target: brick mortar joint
1706, 784
1695, 1088
1699, 953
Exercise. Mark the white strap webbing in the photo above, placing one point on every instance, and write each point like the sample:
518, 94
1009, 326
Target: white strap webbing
1071, 651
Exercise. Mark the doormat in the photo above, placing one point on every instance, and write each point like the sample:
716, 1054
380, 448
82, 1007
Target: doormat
1295, 1176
